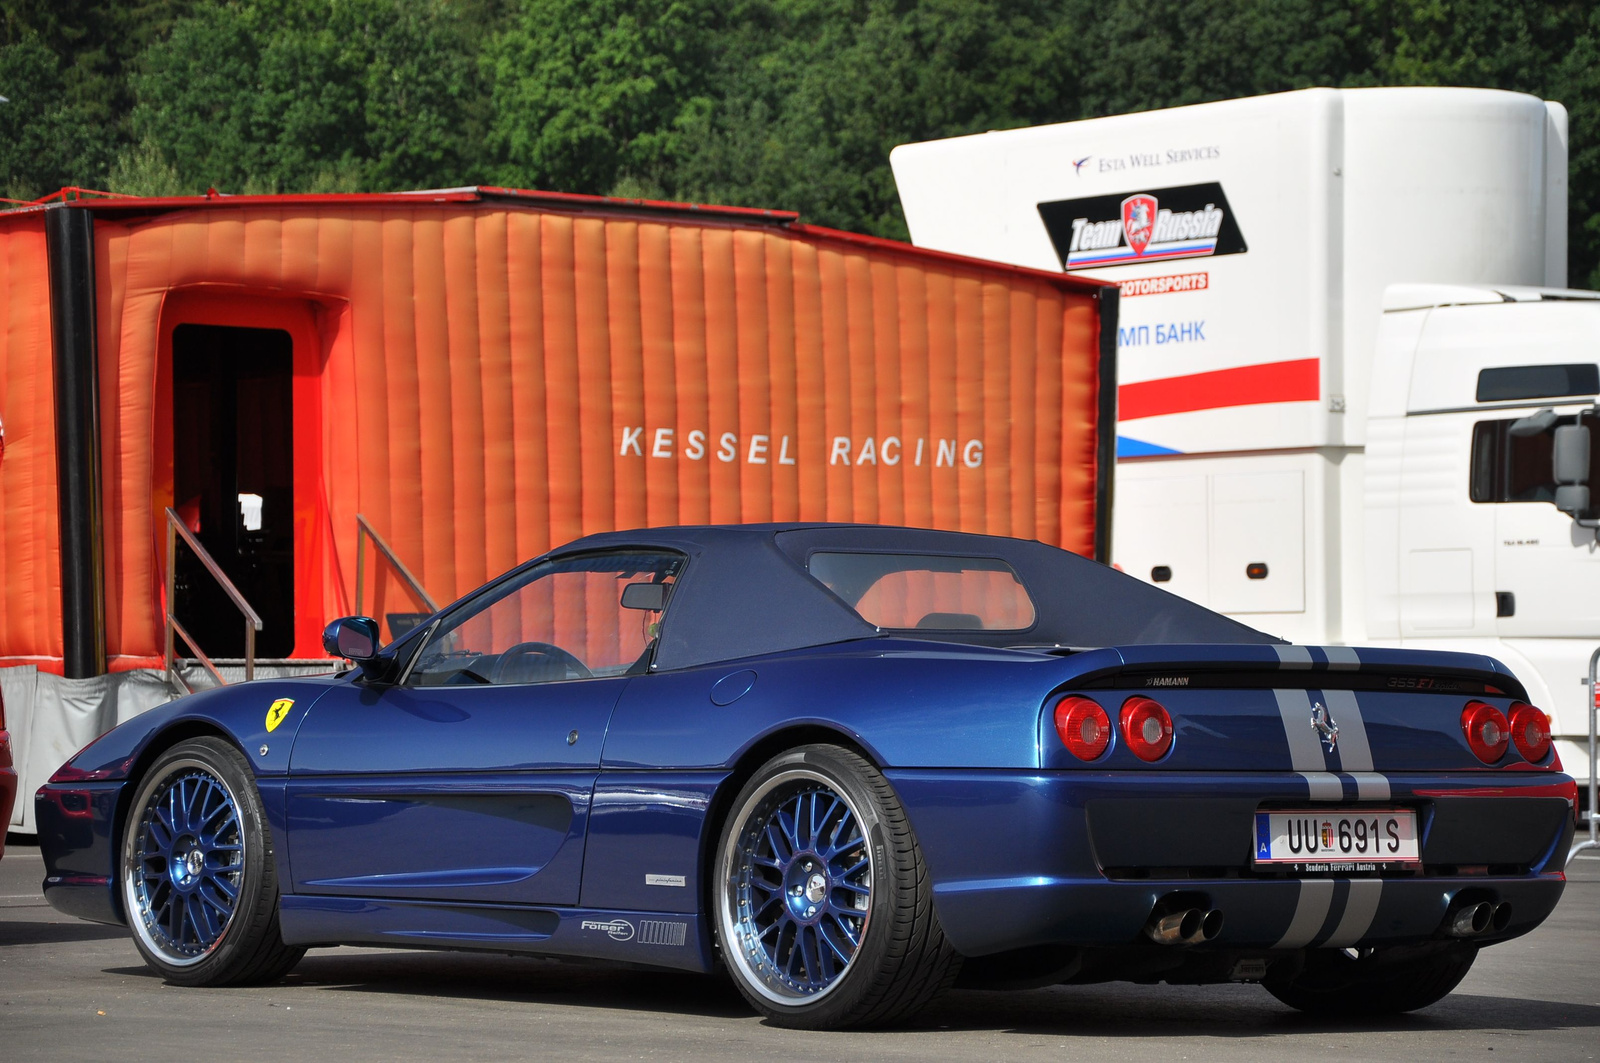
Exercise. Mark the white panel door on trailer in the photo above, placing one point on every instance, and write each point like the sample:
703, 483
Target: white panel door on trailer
1160, 533
1258, 557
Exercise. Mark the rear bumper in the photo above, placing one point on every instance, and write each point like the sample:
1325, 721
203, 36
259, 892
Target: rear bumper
1020, 859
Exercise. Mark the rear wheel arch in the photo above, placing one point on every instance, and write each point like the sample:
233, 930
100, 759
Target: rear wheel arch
749, 762
858, 942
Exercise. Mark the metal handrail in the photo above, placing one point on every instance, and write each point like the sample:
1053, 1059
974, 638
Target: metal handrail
1593, 815
252, 620
365, 531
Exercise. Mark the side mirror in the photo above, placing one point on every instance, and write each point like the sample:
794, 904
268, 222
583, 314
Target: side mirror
651, 597
1570, 460
1533, 424
352, 637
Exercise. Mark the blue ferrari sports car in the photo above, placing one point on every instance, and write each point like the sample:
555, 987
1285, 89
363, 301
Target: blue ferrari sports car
849, 765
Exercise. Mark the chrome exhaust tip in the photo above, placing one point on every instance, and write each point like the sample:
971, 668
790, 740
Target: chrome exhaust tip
1188, 926
1177, 928
1470, 920
1502, 916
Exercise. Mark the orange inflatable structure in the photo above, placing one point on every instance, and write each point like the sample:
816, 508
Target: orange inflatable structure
483, 374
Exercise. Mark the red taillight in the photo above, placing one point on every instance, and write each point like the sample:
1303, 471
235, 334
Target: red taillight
1146, 728
1486, 731
1083, 726
1530, 730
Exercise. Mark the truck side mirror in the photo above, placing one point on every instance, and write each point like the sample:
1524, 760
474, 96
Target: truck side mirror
1570, 461
1533, 424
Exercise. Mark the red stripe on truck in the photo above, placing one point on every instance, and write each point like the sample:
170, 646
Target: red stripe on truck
1247, 385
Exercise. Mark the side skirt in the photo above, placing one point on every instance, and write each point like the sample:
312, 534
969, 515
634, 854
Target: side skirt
657, 939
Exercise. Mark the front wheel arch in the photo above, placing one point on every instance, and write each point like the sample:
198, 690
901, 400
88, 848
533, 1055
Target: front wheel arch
172, 735
202, 844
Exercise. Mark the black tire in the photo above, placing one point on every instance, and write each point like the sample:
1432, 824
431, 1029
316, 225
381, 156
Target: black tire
898, 959
1381, 982
198, 882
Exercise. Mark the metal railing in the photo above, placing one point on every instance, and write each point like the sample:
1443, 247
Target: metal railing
364, 531
252, 622
1593, 816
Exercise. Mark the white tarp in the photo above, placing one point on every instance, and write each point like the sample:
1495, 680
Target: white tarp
51, 718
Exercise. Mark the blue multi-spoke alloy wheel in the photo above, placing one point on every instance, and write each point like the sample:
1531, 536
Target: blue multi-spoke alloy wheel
803, 887
188, 864
198, 886
824, 915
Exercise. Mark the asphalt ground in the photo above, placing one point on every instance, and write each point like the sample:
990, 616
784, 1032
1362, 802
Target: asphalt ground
76, 990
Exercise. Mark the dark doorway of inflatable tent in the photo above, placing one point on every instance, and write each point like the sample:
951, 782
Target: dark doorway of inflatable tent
233, 482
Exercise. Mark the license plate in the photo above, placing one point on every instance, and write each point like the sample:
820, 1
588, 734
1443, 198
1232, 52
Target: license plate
1356, 839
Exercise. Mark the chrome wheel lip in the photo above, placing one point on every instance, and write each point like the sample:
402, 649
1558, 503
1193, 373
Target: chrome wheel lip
733, 926
135, 885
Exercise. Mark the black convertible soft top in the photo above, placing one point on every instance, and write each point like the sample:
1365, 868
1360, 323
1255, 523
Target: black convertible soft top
746, 591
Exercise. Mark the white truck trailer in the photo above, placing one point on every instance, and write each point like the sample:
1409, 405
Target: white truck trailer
1342, 314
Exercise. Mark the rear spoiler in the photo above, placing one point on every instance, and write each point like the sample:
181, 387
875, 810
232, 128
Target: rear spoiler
1284, 665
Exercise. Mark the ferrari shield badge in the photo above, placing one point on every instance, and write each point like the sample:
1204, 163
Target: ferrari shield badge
277, 712
1139, 221
1322, 723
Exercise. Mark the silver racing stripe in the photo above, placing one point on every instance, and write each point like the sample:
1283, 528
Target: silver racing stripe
1371, 785
1324, 785
1342, 658
1307, 758
1293, 656
1359, 909
1305, 749
1310, 912
1355, 751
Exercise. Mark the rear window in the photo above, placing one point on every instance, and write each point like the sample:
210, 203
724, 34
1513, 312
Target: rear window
925, 592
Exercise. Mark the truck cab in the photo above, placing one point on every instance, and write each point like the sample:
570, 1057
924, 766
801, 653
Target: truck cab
1479, 512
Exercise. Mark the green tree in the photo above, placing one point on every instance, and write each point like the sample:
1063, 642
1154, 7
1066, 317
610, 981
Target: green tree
47, 139
75, 118
813, 94
777, 103
307, 95
589, 92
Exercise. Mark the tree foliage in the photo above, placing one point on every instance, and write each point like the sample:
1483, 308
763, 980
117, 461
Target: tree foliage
779, 103
281, 95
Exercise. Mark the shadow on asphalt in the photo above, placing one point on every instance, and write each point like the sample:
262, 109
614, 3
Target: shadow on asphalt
1180, 1012
541, 980
1185, 1012
55, 933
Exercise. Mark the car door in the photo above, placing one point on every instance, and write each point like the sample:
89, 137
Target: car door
470, 778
